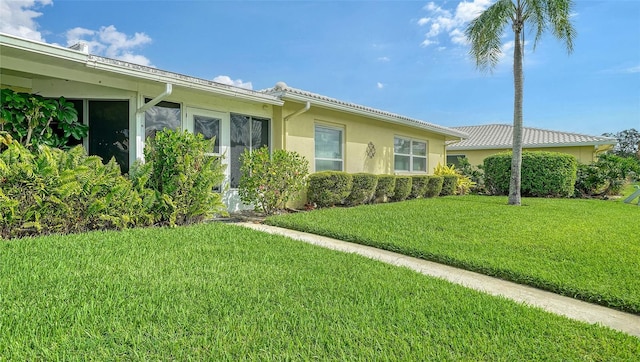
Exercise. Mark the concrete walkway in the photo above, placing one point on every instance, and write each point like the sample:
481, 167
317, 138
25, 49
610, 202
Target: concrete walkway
554, 303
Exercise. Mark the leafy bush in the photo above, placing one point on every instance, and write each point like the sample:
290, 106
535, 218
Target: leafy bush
33, 120
434, 186
384, 189
403, 188
606, 176
418, 186
449, 184
270, 181
182, 173
543, 174
363, 189
329, 188
460, 185
56, 191
472, 177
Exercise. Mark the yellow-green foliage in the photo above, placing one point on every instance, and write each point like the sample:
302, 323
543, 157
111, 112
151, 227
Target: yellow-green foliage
464, 183
55, 191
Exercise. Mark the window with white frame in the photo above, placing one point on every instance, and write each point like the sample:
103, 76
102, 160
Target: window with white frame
409, 155
328, 144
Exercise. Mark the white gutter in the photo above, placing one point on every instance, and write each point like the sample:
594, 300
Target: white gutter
298, 112
156, 100
374, 113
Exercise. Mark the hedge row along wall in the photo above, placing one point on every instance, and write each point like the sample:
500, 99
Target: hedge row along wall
330, 188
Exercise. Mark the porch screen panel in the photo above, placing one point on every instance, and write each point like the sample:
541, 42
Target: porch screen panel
162, 115
109, 131
209, 128
246, 133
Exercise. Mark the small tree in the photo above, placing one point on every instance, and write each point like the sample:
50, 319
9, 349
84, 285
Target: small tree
628, 143
33, 120
270, 181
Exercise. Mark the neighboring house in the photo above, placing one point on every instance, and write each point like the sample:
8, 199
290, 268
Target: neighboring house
124, 103
487, 140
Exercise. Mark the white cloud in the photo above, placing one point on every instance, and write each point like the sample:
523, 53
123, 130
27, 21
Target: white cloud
379, 85
453, 24
108, 41
384, 59
17, 17
428, 42
458, 37
635, 69
225, 79
423, 21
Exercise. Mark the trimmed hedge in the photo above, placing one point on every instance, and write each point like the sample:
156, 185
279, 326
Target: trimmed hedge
384, 189
403, 188
544, 174
419, 185
434, 186
329, 188
363, 188
449, 184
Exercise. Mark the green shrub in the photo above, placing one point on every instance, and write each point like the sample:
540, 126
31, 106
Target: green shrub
403, 188
418, 186
33, 120
56, 191
329, 188
270, 181
384, 189
434, 186
543, 174
182, 173
473, 178
606, 176
363, 189
449, 184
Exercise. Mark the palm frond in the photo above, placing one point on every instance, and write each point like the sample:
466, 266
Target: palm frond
485, 33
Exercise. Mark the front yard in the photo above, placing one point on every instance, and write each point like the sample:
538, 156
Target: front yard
587, 249
222, 292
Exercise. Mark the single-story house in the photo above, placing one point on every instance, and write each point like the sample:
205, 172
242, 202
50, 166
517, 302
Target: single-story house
487, 140
123, 103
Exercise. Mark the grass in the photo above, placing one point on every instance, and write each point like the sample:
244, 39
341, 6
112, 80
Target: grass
222, 292
587, 249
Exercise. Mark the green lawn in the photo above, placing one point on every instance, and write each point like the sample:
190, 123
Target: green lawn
222, 292
588, 249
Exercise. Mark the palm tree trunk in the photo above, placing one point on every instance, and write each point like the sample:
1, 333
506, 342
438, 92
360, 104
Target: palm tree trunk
516, 160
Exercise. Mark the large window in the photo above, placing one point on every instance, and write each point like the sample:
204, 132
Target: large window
409, 155
246, 133
162, 115
329, 155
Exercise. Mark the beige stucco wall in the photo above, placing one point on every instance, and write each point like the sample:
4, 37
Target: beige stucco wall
584, 154
358, 131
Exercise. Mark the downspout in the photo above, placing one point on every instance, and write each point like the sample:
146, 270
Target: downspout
141, 133
306, 107
156, 100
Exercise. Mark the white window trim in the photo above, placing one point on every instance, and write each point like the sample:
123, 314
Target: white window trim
342, 140
411, 156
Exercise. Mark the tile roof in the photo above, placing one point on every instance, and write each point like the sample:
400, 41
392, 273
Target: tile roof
493, 136
283, 91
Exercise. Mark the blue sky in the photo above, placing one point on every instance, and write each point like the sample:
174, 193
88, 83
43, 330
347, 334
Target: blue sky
406, 57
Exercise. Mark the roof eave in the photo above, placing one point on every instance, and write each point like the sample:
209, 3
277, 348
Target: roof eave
453, 134
545, 145
154, 74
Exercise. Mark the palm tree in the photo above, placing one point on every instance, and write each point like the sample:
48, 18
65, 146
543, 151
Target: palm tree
484, 33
